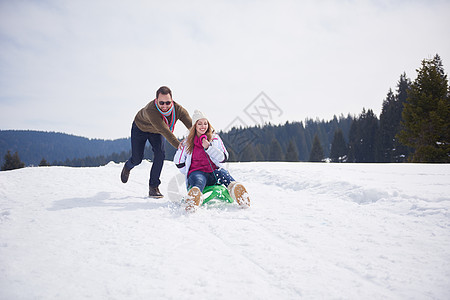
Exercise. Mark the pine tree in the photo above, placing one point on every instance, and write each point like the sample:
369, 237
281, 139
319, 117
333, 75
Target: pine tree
316, 154
338, 147
362, 138
401, 151
248, 154
275, 151
12, 162
232, 155
387, 129
389, 148
426, 114
258, 153
302, 145
291, 153
44, 163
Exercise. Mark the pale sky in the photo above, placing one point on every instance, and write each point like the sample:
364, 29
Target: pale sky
86, 67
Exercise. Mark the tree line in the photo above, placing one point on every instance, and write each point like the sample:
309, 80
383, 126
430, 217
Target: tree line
414, 123
414, 126
292, 141
32, 146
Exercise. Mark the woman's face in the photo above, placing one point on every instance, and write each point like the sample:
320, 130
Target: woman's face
201, 126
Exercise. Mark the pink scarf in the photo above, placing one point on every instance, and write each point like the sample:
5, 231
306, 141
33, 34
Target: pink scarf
164, 115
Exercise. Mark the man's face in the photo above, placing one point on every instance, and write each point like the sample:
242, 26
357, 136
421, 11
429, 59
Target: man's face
164, 102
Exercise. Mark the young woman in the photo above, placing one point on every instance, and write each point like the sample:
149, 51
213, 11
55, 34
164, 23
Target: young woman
200, 158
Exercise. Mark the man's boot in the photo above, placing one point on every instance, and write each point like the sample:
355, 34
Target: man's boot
125, 174
153, 192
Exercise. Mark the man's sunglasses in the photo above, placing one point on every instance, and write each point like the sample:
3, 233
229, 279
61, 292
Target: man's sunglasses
166, 102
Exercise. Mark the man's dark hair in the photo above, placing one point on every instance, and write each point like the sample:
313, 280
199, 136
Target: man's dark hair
163, 90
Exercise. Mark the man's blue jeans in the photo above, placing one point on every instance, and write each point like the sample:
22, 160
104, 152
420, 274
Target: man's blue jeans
138, 140
201, 179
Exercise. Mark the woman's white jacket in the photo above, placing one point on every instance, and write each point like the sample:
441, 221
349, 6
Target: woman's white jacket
216, 151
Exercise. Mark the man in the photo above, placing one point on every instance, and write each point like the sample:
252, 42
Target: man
155, 123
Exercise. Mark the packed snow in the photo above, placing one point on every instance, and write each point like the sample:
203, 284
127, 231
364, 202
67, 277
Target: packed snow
313, 231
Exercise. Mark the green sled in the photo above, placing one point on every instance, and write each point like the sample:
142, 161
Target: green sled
216, 192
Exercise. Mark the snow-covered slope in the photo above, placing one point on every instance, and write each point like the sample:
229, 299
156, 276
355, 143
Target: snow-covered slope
314, 231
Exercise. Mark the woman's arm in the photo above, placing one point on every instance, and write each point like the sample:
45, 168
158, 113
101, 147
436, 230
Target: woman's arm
217, 150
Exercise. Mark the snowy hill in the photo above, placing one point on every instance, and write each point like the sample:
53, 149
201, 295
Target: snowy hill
314, 231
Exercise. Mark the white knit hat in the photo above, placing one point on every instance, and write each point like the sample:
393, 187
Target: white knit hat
197, 116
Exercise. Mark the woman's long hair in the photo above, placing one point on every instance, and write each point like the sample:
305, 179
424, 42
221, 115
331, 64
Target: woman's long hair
193, 132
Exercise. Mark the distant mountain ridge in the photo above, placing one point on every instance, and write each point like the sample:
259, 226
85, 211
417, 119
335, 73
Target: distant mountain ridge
33, 146
243, 144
